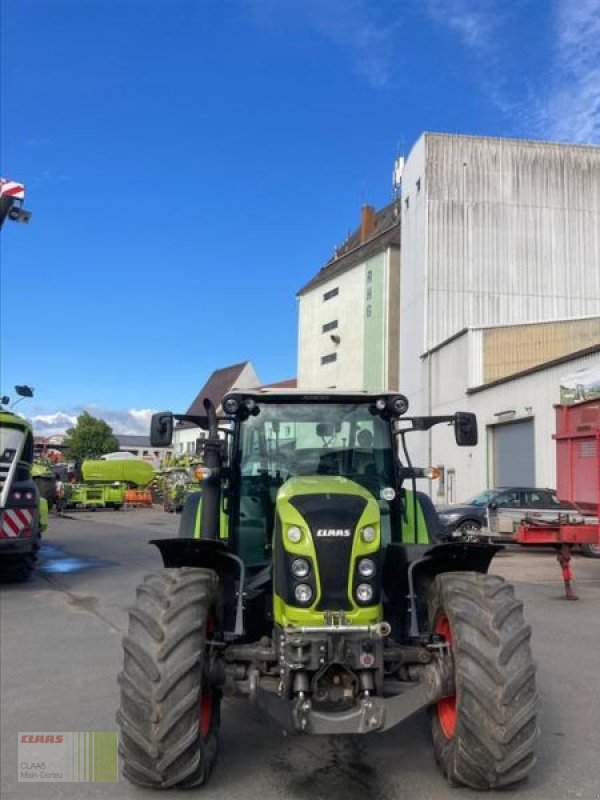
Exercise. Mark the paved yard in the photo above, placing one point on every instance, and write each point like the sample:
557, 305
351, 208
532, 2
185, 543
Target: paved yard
60, 640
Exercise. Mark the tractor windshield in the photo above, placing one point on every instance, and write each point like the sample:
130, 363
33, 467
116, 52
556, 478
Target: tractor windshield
318, 439
284, 441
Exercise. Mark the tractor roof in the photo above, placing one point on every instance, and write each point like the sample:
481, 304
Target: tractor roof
311, 395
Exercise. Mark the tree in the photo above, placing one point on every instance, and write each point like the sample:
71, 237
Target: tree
90, 438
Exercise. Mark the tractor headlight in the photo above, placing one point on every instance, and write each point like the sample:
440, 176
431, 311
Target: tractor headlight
300, 568
231, 405
369, 534
366, 568
294, 534
400, 404
364, 593
303, 593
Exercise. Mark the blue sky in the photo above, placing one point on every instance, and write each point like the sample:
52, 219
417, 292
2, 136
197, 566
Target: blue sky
191, 163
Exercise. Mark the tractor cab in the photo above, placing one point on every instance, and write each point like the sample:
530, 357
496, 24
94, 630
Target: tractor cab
333, 444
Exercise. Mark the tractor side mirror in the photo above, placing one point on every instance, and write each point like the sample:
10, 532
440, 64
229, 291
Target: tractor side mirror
161, 429
465, 429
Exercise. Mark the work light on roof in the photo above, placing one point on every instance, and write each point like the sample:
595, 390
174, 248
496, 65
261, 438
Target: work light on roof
401, 404
231, 405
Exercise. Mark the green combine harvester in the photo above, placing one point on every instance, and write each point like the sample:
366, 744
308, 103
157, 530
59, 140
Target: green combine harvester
105, 482
309, 577
23, 512
93, 496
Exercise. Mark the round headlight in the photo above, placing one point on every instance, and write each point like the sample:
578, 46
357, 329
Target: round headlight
388, 493
300, 567
369, 534
401, 404
366, 567
364, 593
294, 534
231, 405
303, 593
380, 404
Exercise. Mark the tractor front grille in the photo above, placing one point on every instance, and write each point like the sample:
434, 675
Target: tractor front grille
326, 513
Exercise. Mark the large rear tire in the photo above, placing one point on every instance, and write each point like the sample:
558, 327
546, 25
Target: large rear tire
170, 713
484, 736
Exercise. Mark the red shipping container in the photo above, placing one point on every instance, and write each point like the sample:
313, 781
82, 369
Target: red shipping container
578, 455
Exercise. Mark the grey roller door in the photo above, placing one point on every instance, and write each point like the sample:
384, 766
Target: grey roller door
514, 454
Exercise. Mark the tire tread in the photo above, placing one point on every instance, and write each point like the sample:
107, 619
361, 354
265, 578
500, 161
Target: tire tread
497, 702
161, 681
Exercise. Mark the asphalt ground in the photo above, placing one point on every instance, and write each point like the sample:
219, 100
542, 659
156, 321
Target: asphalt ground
60, 651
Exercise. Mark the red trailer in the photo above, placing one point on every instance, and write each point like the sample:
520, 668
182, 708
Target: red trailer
578, 481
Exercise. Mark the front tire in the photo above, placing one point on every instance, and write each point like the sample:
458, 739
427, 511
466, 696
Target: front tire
484, 736
169, 714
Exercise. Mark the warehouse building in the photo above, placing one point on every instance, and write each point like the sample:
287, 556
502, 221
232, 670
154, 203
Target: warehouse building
499, 296
511, 377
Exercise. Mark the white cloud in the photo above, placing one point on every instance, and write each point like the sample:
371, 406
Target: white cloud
474, 21
561, 104
570, 111
55, 420
357, 27
133, 421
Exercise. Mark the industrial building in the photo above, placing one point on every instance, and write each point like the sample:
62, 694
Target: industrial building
498, 236
487, 270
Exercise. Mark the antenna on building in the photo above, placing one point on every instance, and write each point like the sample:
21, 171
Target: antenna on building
397, 175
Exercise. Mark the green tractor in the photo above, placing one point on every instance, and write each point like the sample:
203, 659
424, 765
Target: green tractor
309, 578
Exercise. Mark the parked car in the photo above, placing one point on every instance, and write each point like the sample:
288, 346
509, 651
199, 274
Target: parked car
467, 519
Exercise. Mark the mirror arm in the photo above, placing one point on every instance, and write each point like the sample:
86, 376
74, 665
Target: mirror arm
200, 422
425, 423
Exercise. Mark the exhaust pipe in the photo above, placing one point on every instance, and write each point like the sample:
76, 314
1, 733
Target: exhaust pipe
211, 488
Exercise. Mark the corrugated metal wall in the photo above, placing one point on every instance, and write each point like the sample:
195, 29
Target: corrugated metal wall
507, 350
513, 232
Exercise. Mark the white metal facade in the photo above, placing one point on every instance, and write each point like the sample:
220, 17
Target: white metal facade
494, 231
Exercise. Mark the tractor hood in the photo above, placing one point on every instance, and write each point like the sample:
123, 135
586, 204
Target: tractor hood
321, 520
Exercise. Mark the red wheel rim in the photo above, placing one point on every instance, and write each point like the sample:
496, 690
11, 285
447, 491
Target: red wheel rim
206, 701
446, 707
